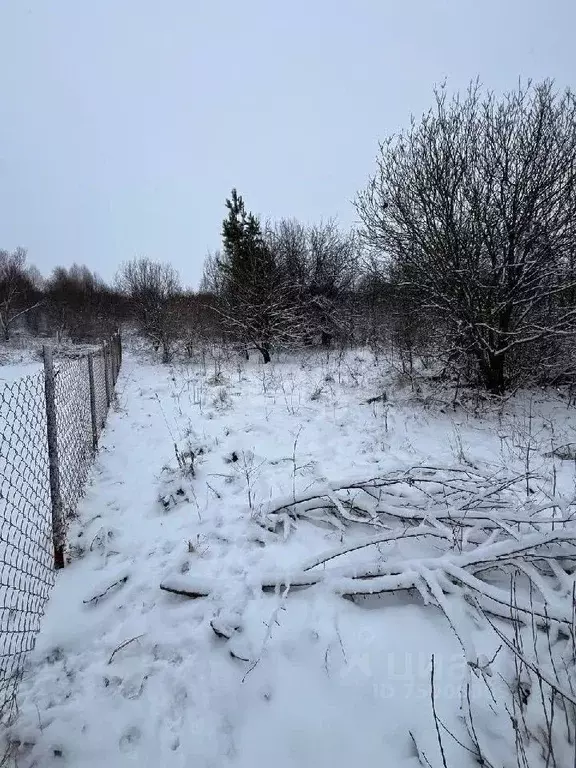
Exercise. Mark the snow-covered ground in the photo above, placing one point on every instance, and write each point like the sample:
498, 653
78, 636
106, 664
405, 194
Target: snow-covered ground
14, 365
126, 673
22, 355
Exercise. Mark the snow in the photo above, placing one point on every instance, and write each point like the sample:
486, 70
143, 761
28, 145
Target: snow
22, 355
12, 371
126, 673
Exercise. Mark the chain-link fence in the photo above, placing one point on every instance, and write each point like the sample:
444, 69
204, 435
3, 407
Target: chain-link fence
50, 424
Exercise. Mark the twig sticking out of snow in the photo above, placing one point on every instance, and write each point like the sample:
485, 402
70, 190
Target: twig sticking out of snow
115, 585
123, 645
554, 685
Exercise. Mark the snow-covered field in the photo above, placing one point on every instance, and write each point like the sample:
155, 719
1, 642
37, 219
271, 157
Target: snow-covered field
14, 366
127, 673
22, 356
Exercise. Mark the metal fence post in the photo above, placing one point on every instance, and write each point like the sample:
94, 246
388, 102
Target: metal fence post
114, 350
106, 358
58, 533
111, 362
93, 402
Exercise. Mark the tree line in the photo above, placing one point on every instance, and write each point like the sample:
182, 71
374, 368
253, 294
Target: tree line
463, 263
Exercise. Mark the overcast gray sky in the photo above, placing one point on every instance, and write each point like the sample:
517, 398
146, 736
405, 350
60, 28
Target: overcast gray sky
124, 123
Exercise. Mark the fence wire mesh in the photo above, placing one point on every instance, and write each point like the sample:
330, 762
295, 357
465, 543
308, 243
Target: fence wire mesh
32, 505
26, 557
100, 389
74, 422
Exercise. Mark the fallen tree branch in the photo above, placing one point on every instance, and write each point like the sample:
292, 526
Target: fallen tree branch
458, 498
183, 588
123, 645
481, 533
116, 584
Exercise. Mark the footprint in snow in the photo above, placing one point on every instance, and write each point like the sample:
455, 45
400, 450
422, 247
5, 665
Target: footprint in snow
129, 739
172, 719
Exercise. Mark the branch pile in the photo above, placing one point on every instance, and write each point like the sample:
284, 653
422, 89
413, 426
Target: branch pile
478, 532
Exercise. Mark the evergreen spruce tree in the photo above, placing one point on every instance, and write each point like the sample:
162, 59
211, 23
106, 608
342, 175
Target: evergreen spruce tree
255, 294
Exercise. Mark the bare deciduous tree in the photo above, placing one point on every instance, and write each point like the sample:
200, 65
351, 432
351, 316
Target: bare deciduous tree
81, 304
17, 294
154, 295
211, 282
333, 260
474, 209
321, 265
